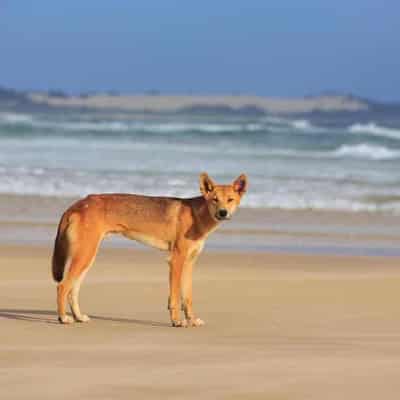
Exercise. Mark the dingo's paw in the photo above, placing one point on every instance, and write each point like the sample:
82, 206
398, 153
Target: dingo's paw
65, 319
82, 318
195, 322
179, 324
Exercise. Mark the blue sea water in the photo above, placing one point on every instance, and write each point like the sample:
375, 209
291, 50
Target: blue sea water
292, 163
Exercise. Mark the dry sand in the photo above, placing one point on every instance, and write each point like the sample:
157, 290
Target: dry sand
278, 327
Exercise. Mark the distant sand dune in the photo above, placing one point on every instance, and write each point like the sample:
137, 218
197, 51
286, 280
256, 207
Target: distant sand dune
171, 103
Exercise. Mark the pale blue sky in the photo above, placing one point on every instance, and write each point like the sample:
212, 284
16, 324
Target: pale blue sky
264, 47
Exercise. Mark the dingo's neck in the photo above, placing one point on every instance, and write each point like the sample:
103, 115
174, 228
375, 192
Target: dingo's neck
203, 217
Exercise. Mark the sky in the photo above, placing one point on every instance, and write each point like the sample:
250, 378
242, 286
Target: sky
280, 48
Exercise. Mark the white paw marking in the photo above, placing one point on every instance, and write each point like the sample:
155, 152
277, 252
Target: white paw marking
196, 322
83, 318
180, 324
66, 319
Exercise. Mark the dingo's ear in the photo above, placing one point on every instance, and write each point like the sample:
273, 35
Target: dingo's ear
240, 184
206, 184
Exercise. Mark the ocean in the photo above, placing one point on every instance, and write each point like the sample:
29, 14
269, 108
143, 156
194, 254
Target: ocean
334, 163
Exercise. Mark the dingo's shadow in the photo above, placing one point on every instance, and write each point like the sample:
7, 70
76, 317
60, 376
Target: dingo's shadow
50, 317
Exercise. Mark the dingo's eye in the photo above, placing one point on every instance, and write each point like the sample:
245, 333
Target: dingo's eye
215, 199
230, 200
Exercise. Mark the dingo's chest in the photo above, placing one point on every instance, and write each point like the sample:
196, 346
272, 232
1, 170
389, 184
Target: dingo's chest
147, 239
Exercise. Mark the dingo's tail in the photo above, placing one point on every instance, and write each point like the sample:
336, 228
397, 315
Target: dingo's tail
61, 250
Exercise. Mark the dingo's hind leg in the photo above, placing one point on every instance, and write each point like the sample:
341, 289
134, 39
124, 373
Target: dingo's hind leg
74, 298
63, 289
69, 287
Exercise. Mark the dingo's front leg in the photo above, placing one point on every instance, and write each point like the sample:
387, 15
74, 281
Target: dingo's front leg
175, 273
187, 294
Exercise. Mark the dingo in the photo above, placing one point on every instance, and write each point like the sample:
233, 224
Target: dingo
179, 226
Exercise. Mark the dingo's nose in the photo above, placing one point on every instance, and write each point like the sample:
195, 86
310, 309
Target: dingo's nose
222, 213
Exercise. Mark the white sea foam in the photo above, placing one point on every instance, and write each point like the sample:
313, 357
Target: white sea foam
124, 126
289, 198
56, 124
359, 151
15, 118
113, 126
374, 130
367, 151
59, 124
288, 165
301, 124
97, 126
180, 127
268, 191
270, 119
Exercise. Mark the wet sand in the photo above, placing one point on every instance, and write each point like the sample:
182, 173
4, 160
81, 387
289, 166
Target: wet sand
279, 326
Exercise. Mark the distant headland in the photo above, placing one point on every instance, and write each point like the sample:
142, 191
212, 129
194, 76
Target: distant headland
153, 102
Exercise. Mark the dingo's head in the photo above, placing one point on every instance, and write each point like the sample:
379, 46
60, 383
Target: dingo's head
222, 200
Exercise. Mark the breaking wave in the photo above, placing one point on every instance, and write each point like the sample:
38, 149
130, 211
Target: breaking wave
292, 163
14, 118
302, 124
56, 124
375, 130
126, 126
367, 151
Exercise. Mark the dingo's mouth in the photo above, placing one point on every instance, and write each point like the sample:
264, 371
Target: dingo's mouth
219, 218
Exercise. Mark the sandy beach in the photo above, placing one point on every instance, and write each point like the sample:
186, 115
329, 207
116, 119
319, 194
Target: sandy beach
279, 326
